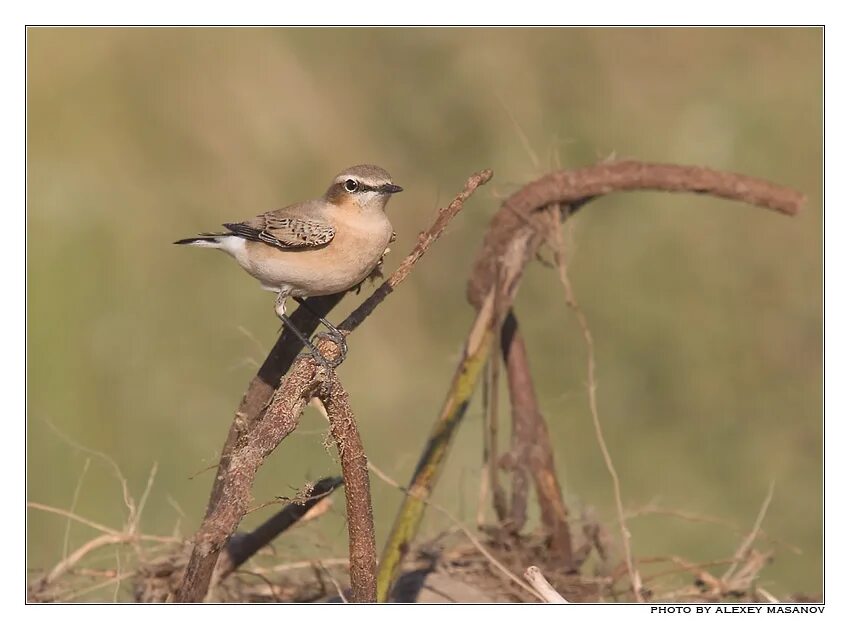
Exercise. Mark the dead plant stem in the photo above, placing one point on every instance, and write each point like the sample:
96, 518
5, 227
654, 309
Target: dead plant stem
569, 296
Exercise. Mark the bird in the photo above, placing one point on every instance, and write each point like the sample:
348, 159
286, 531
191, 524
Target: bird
316, 247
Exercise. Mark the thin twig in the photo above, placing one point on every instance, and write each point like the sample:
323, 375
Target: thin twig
133, 525
650, 510
680, 564
74, 499
69, 594
303, 564
541, 585
747, 544
72, 516
271, 585
81, 552
444, 216
103, 540
117, 574
98, 526
125, 490
333, 580
569, 297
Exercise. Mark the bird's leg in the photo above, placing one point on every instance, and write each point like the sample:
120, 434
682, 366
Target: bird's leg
333, 333
280, 309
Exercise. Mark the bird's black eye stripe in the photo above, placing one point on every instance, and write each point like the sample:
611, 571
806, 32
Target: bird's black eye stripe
352, 186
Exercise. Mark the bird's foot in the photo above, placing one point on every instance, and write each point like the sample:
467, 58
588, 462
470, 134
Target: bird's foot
342, 347
280, 305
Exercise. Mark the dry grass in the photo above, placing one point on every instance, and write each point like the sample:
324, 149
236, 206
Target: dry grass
487, 562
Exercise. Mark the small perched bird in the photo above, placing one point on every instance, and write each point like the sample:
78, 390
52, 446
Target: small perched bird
315, 247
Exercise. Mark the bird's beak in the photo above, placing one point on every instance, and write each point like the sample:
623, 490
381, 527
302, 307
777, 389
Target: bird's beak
389, 189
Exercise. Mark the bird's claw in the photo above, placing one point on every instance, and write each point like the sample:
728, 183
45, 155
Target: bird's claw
342, 347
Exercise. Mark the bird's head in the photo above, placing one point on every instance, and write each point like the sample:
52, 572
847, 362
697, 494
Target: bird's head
369, 186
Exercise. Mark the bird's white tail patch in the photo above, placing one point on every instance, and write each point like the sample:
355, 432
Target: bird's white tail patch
203, 242
233, 245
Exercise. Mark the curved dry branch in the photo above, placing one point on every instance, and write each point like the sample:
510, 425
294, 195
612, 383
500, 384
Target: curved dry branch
519, 219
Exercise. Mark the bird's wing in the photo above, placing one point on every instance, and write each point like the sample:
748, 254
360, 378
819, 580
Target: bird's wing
287, 228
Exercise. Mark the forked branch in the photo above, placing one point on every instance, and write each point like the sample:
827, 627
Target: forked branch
257, 431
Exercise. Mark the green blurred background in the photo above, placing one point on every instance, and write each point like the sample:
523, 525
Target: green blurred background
706, 314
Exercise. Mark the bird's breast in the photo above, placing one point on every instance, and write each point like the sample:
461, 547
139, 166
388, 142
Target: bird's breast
358, 245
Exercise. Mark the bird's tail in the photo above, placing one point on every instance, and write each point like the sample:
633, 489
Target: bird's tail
203, 240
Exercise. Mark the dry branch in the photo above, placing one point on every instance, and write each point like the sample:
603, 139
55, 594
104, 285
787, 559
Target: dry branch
262, 386
254, 435
358, 502
533, 447
491, 440
539, 583
746, 547
518, 220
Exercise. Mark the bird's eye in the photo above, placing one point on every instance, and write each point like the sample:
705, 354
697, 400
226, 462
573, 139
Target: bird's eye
350, 185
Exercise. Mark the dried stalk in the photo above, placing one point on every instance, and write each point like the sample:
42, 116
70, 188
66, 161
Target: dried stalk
746, 546
358, 501
541, 585
533, 446
491, 441
523, 432
702, 518
572, 303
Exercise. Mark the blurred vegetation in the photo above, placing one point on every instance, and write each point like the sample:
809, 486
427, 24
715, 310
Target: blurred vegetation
706, 314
